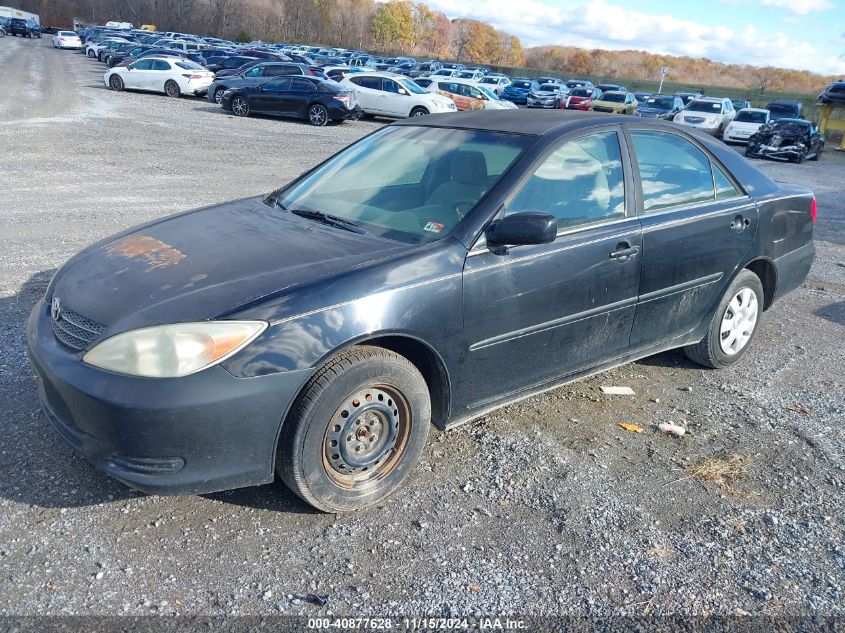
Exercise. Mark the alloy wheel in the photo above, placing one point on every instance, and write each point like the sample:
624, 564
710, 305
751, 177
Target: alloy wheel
738, 322
239, 106
317, 115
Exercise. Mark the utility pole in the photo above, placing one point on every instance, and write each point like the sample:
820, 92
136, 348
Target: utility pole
664, 70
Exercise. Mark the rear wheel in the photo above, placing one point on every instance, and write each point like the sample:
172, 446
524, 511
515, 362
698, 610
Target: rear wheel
733, 326
116, 83
419, 111
356, 430
318, 115
240, 106
171, 89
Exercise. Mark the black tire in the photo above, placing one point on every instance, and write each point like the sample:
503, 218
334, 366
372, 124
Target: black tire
218, 95
390, 396
419, 111
240, 106
708, 351
817, 155
91, 54
171, 89
116, 83
318, 115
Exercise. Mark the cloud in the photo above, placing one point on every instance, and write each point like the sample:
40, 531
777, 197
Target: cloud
601, 24
801, 7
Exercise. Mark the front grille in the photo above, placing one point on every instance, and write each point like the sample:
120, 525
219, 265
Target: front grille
600, 109
74, 330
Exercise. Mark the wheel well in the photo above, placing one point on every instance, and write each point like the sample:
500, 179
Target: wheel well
768, 275
430, 366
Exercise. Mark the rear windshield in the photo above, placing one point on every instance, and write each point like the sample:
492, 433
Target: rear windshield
189, 65
550, 87
617, 97
582, 92
663, 103
782, 108
751, 117
521, 84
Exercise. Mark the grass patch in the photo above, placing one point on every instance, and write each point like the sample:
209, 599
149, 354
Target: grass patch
723, 472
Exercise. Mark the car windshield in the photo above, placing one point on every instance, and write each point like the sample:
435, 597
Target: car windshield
660, 103
67, 34
407, 183
189, 65
747, 116
489, 80
705, 106
466, 75
549, 87
489, 93
412, 87
612, 97
582, 92
521, 84
782, 109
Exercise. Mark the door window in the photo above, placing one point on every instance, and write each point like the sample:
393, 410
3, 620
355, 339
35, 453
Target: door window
673, 171
277, 85
275, 71
142, 64
390, 86
160, 64
254, 72
725, 189
580, 182
373, 83
302, 85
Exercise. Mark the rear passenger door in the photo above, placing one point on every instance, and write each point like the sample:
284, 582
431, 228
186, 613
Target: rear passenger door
538, 313
697, 225
272, 96
368, 93
158, 75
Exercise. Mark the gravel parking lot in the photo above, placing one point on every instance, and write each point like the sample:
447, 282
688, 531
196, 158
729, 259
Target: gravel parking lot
544, 507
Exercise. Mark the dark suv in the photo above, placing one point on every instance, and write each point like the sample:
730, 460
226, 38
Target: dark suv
785, 109
834, 93
24, 28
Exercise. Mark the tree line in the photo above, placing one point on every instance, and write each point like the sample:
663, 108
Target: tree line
406, 27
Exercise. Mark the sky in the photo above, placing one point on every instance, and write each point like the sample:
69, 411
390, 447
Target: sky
799, 34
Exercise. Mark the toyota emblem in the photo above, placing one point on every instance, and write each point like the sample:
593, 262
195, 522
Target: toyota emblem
56, 309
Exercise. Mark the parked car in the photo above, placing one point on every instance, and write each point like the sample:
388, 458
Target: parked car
834, 93
319, 101
614, 102
496, 83
172, 76
255, 74
118, 60
426, 68
686, 97
93, 47
790, 139
785, 109
709, 114
339, 72
233, 64
579, 83
394, 96
434, 270
745, 124
548, 96
642, 96
581, 98
424, 82
659, 107
66, 39
470, 75
24, 28
443, 73
518, 91
467, 95
611, 88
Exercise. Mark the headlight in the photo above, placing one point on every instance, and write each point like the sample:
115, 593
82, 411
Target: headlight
171, 351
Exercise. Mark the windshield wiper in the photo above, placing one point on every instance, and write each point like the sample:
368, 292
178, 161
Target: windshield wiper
331, 220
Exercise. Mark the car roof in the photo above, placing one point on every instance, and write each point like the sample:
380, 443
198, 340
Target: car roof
712, 99
604, 93
516, 121
753, 110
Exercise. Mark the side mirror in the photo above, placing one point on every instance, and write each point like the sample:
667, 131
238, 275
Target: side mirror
526, 227
402, 91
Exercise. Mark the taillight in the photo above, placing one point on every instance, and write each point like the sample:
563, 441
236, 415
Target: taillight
192, 76
813, 210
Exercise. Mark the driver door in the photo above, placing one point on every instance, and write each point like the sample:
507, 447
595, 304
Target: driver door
538, 313
138, 76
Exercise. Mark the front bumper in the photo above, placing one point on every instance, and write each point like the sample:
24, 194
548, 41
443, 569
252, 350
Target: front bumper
202, 433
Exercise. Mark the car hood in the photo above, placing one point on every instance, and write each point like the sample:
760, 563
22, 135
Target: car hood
705, 116
205, 263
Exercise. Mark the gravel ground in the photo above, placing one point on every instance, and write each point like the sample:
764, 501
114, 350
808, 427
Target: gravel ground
544, 507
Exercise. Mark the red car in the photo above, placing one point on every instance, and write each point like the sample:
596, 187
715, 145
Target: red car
581, 98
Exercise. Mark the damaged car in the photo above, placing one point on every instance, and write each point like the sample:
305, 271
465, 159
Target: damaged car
791, 139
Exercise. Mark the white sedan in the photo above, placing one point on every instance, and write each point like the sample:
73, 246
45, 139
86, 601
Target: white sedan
66, 39
171, 75
746, 122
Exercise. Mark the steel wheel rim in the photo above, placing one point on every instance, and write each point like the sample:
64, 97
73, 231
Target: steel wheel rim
738, 322
367, 436
317, 115
239, 106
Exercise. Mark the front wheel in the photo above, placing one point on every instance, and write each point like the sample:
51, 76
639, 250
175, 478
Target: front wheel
419, 111
733, 326
318, 115
171, 89
356, 430
116, 83
240, 106
218, 95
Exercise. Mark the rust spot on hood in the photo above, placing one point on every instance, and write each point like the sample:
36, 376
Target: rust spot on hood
155, 253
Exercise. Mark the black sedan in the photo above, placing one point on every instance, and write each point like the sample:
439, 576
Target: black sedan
317, 100
791, 139
216, 64
434, 270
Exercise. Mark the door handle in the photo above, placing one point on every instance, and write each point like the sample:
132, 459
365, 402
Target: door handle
624, 251
739, 223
